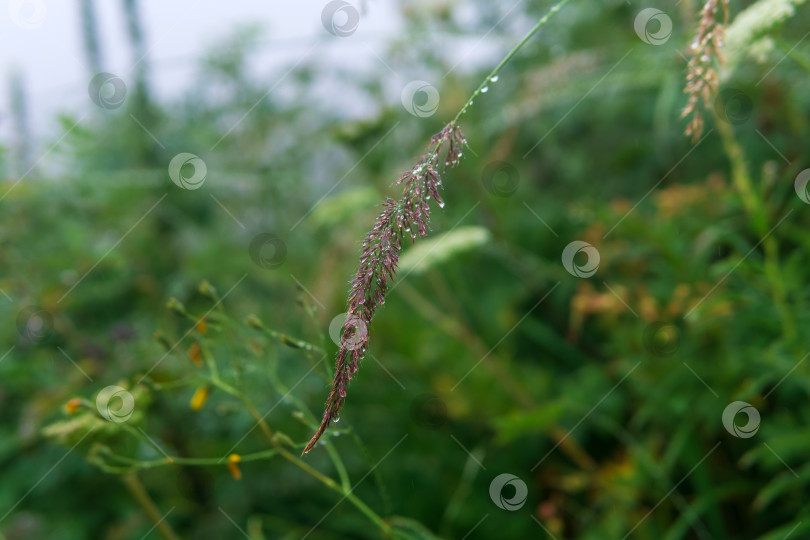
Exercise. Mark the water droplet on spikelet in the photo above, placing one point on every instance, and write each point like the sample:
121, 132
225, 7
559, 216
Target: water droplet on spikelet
336, 420
494, 79
440, 203
485, 89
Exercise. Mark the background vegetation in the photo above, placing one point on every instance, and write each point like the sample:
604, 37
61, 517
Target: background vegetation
605, 398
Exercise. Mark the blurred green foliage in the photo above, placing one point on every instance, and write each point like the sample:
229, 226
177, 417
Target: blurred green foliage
604, 395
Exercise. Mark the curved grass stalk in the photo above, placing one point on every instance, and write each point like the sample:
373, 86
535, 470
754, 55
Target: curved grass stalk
408, 216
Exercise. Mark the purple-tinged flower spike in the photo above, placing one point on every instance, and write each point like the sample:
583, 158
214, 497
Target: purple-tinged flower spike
380, 254
410, 216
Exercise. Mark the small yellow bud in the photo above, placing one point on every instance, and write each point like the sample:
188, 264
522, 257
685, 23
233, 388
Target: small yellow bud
195, 354
202, 327
233, 459
199, 398
73, 405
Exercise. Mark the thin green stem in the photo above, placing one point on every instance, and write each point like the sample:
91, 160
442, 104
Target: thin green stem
310, 310
344, 489
334, 455
345, 485
141, 437
173, 460
289, 341
308, 417
494, 73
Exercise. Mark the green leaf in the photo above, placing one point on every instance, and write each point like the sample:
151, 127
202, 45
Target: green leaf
519, 423
439, 249
341, 207
410, 529
791, 530
754, 22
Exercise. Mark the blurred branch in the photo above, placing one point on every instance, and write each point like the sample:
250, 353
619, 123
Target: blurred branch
495, 364
21, 123
92, 46
137, 490
758, 212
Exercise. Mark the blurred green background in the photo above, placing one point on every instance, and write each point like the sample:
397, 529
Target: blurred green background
604, 395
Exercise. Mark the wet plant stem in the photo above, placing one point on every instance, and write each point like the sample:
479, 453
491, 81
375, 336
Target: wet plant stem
497, 69
344, 487
493, 75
